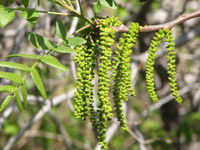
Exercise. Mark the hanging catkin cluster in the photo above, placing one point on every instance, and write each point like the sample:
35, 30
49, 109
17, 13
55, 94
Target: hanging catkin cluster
171, 64
85, 59
122, 73
104, 108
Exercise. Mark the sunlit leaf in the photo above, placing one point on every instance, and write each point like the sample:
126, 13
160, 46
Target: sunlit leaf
24, 93
5, 102
8, 88
108, 3
61, 29
73, 41
38, 82
15, 66
64, 49
97, 7
11, 76
6, 16
52, 61
39, 41
25, 56
30, 15
18, 100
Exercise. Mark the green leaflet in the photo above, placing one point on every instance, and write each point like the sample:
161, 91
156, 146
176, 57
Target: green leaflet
60, 29
6, 16
97, 7
11, 76
15, 65
108, 3
8, 88
64, 49
38, 82
24, 93
30, 15
52, 61
12, 90
5, 102
25, 55
74, 41
25, 3
18, 100
39, 41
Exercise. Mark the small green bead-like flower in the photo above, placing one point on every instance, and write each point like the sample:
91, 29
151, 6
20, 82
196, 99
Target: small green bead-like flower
85, 58
171, 65
104, 108
150, 62
121, 73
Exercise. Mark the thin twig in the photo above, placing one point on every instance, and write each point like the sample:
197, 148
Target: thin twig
168, 25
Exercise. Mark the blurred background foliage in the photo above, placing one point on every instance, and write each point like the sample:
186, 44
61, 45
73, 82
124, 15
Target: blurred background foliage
166, 126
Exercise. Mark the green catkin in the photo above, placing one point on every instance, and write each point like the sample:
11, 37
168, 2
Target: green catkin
85, 58
92, 52
171, 64
80, 100
122, 73
171, 70
104, 108
150, 62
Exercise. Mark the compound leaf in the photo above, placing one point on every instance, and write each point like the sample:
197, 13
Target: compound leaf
6, 16
64, 49
73, 41
11, 76
30, 15
38, 82
52, 61
39, 41
24, 93
25, 55
60, 29
15, 65
5, 102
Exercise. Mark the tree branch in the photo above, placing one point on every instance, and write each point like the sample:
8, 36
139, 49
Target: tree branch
184, 17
